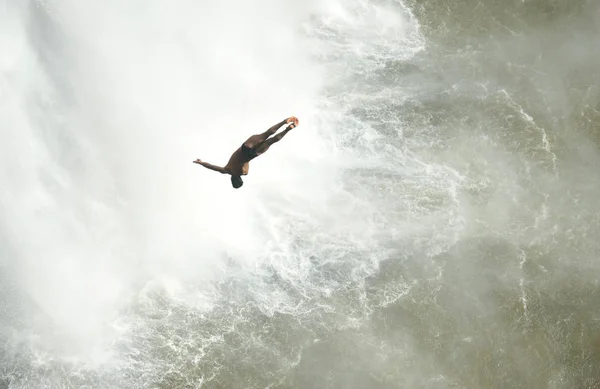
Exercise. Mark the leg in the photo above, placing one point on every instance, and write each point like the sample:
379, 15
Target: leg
256, 140
263, 147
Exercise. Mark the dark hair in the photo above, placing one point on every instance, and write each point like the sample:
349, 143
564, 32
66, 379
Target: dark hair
237, 182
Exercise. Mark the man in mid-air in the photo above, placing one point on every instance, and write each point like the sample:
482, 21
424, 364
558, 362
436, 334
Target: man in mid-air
254, 146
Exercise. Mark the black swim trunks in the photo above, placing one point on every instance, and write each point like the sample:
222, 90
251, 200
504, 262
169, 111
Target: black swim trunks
249, 153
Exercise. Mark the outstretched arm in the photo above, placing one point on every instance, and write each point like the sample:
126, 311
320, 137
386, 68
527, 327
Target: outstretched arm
211, 167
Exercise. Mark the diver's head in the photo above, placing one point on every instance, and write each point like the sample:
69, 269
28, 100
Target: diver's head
237, 182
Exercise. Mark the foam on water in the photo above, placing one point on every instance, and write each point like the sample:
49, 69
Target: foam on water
104, 108
429, 224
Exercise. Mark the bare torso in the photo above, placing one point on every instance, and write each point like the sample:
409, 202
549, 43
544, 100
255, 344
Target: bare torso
238, 164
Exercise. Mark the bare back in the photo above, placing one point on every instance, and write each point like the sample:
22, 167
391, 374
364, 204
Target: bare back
238, 163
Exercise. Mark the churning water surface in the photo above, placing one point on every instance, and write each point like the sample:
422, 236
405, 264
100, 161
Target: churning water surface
432, 223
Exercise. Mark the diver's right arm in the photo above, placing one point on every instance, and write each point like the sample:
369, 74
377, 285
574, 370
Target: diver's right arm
211, 167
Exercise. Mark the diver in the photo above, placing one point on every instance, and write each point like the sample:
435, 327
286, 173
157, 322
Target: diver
254, 146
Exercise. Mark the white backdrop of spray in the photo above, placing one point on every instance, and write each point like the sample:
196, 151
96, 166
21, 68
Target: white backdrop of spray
103, 107
102, 128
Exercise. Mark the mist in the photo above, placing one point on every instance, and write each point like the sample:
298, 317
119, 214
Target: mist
105, 108
430, 223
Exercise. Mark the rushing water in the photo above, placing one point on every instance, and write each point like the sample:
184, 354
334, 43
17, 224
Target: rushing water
432, 223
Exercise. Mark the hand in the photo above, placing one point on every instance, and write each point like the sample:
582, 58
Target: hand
198, 161
292, 119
